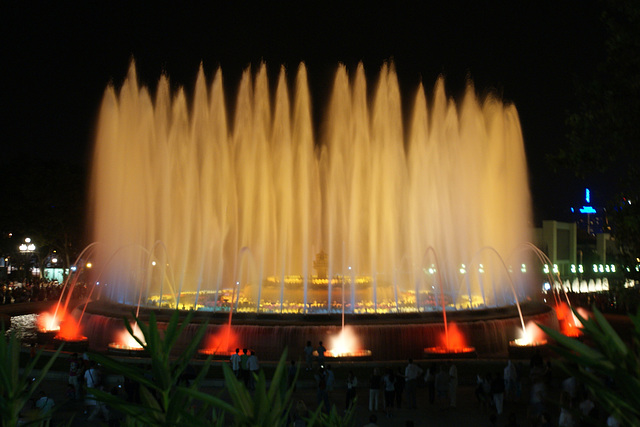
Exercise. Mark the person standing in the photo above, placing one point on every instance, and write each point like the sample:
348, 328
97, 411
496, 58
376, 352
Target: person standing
510, 381
411, 374
389, 382
252, 363
74, 375
453, 385
321, 350
497, 392
374, 389
352, 382
323, 397
430, 380
235, 363
442, 385
308, 355
331, 379
244, 368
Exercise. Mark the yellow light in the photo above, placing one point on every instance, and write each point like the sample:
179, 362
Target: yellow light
89, 265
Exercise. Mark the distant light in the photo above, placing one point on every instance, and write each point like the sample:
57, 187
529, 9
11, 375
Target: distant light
595, 268
523, 268
153, 263
587, 210
572, 210
555, 268
89, 265
480, 268
573, 268
545, 269
587, 195
601, 268
54, 260
28, 240
613, 268
607, 268
546, 286
73, 268
580, 269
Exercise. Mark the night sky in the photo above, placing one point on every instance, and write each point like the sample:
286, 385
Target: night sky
58, 57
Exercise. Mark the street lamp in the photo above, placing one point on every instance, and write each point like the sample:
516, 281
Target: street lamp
27, 248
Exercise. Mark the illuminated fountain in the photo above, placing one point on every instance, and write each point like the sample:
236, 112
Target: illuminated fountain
191, 198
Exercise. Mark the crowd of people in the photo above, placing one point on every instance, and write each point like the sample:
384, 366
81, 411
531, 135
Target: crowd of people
12, 292
550, 398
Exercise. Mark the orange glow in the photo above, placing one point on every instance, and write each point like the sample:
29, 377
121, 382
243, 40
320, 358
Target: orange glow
124, 340
344, 344
48, 322
455, 341
569, 324
532, 335
70, 330
223, 341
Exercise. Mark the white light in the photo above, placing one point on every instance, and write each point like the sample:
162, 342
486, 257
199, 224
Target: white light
73, 268
546, 269
547, 286
523, 268
601, 268
153, 263
607, 269
54, 260
613, 268
595, 268
555, 268
580, 268
27, 240
573, 268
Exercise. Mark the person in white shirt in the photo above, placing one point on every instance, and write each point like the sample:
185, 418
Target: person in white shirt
45, 404
411, 374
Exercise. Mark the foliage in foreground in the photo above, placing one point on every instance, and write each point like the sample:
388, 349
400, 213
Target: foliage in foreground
16, 389
165, 402
608, 367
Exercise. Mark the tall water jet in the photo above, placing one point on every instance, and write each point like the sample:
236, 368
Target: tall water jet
257, 201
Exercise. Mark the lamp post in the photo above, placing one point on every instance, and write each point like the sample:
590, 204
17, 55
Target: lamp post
27, 249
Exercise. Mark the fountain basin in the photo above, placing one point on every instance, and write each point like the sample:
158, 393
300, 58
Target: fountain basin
388, 336
450, 353
75, 345
526, 351
121, 350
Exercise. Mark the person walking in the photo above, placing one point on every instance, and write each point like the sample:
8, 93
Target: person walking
374, 390
235, 363
411, 374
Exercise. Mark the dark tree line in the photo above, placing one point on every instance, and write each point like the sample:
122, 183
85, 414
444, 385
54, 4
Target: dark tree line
604, 130
44, 200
